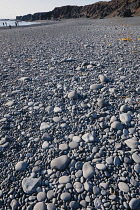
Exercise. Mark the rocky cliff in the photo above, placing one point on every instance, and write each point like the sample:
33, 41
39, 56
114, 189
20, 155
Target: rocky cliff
124, 8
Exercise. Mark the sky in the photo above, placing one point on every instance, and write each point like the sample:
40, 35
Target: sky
13, 8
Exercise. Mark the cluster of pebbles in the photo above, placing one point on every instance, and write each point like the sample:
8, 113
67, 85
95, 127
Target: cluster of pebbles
69, 116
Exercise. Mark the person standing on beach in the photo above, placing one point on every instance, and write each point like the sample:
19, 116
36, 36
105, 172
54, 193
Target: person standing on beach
6, 23
3, 24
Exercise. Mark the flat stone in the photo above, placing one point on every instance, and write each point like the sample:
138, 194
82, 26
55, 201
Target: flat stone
97, 203
117, 161
21, 166
78, 187
136, 158
23, 79
41, 196
63, 147
137, 168
64, 179
40, 206
131, 143
60, 163
125, 118
88, 171
45, 145
123, 187
96, 190
134, 203
88, 137
44, 125
74, 205
73, 145
101, 166
46, 137
72, 95
88, 187
57, 109
29, 184
56, 119
116, 125
65, 196
96, 86
76, 138
9, 103
51, 206
103, 78
110, 160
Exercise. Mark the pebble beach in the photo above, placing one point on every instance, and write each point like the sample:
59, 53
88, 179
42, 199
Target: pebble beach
70, 115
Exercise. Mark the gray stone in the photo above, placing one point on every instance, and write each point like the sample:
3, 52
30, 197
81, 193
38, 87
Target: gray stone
125, 118
72, 95
14, 204
50, 194
60, 163
45, 145
64, 179
96, 190
88, 187
101, 166
103, 78
116, 125
131, 143
109, 160
88, 137
96, 86
78, 187
44, 126
73, 145
29, 184
88, 171
51, 206
46, 137
41, 196
65, 196
117, 161
136, 158
134, 203
97, 203
137, 168
21, 166
40, 206
74, 205
63, 147
123, 187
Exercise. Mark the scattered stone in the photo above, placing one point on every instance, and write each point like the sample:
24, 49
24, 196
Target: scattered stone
96, 86
40, 206
65, 196
88, 171
123, 187
134, 203
116, 125
101, 166
88, 137
72, 95
21, 166
30, 185
136, 158
41, 196
131, 143
60, 163
64, 179
125, 118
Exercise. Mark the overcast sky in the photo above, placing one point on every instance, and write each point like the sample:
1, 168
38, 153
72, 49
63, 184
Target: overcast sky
13, 8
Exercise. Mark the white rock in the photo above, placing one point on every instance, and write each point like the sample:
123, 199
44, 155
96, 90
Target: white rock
64, 179
103, 78
57, 109
72, 95
45, 125
101, 166
45, 145
40, 206
96, 86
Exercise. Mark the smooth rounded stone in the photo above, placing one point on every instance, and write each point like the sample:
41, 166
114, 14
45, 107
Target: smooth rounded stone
64, 180
129, 100
132, 130
14, 204
131, 143
73, 95
23, 79
88, 137
125, 118
134, 182
101, 166
117, 161
88, 187
79, 69
30, 184
96, 190
21, 166
112, 197
137, 168
136, 158
73, 145
65, 196
44, 125
49, 109
113, 118
134, 203
50, 194
96, 86
74, 205
46, 137
124, 108
88, 171
83, 203
60, 163
45, 145
10, 103
41, 196
78, 187
56, 119
40, 206
63, 147
78, 165
123, 187
79, 173
103, 78
76, 139
57, 109
110, 160
97, 203
51, 206
104, 185
101, 103
116, 125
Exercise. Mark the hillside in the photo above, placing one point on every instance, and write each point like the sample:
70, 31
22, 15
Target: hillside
123, 8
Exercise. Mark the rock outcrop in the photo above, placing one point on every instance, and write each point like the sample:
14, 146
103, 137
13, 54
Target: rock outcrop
123, 8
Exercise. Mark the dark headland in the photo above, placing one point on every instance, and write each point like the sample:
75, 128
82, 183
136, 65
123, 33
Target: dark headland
102, 9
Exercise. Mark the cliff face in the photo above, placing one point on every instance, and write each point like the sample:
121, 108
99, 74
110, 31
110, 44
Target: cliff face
124, 8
